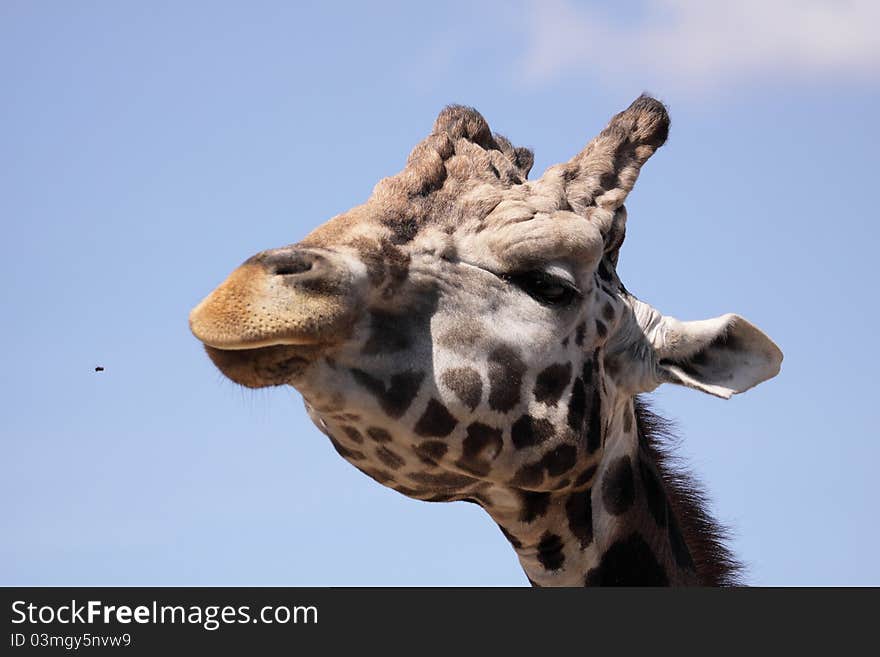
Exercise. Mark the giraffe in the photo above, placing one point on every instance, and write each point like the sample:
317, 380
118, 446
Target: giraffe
464, 335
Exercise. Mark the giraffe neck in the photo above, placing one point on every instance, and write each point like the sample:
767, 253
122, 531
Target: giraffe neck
618, 527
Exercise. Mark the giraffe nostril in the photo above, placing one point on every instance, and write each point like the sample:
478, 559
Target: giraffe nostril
291, 268
285, 262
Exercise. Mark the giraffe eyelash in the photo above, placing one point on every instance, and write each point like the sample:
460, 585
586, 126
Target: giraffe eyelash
545, 288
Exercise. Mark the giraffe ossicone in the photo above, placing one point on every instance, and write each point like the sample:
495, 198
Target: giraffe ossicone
463, 335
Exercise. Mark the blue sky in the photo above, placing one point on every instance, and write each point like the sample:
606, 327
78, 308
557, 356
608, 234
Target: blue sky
148, 148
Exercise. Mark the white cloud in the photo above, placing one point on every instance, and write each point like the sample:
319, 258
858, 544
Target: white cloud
698, 43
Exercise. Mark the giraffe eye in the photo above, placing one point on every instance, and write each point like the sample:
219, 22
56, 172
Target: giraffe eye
544, 287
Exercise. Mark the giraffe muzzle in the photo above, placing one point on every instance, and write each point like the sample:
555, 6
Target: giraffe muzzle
287, 297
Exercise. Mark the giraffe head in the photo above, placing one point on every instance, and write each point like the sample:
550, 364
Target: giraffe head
463, 334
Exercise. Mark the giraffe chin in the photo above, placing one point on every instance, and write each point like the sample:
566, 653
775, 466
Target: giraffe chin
262, 367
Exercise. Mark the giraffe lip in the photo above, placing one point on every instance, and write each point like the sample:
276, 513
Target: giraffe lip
253, 345
261, 367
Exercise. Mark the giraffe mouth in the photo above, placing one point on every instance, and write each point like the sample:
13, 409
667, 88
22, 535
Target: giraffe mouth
262, 367
275, 313
276, 305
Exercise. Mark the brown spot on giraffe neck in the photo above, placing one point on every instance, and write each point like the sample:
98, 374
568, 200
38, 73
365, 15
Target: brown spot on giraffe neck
479, 448
379, 435
435, 421
534, 505
618, 490
550, 552
528, 432
579, 509
431, 451
628, 562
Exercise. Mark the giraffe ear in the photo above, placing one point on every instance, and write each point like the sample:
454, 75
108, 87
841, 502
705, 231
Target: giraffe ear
721, 356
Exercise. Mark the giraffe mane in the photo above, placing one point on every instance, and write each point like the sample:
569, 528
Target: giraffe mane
706, 538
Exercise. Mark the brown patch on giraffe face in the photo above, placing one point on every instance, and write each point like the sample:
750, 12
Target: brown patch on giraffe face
585, 405
387, 265
506, 370
388, 333
551, 382
395, 397
466, 383
577, 406
462, 333
594, 423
